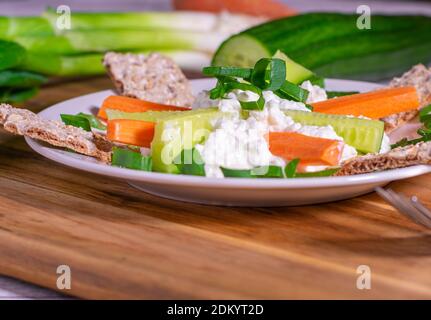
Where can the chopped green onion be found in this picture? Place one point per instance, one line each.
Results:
(268, 172)
(76, 121)
(334, 94)
(190, 162)
(94, 121)
(309, 107)
(130, 159)
(269, 74)
(290, 169)
(425, 116)
(235, 173)
(244, 73)
(292, 91)
(425, 132)
(323, 173)
(258, 104)
(258, 172)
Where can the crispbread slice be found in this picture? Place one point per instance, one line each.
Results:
(419, 77)
(25, 123)
(397, 158)
(152, 77)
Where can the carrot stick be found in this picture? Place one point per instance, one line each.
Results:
(128, 104)
(265, 8)
(310, 150)
(133, 132)
(375, 104)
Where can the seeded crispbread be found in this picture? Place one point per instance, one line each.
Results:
(419, 77)
(397, 158)
(26, 123)
(152, 77)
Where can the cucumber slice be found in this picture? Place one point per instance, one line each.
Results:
(178, 132)
(295, 73)
(363, 134)
(152, 116)
(247, 51)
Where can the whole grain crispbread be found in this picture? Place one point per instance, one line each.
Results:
(420, 77)
(152, 77)
(397, 158)
(26, 123)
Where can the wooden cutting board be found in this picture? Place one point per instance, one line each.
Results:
(122, 243)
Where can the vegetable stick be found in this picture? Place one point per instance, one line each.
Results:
(310, 150)
(127, 104)
(376, 104)
(133, 132)
(267, 8)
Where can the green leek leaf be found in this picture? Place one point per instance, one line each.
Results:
(11, 95)
(76, 121)
(190, 162)
(11, 54)
(292, 91)
(130, 159)
(20, 79)
(269, 74)
(290, 169)
(93, 120)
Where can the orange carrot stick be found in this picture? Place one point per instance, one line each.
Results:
(128, 104)
(376, 104)
(265, 8)
(310, 150)
(133, 132)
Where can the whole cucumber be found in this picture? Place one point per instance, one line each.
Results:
(331, 44)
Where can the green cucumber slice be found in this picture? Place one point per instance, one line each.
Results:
(178, 132)
(247, 51)
(295, 73)
(363, 134)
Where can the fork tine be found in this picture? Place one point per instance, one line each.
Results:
(402, 207)
(405, 207)
(419, 205)
(389, 197)
(414, 212)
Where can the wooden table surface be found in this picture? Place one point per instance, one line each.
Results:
(122, 243)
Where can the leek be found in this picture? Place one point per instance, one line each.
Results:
(179, 20)
(129, 159)
(12, 27)
(11, 54)
(78, 42)
(17, 95)
(20, 79)
(91, 64)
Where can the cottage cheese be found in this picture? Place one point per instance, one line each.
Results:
(231, 102)
(316, 93)
(386, 144)
(236, 143)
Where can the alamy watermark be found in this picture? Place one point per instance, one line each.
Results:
(64, 279)
(364, 20)
(64, 20)
(363, 282)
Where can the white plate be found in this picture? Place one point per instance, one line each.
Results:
(231, 192)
